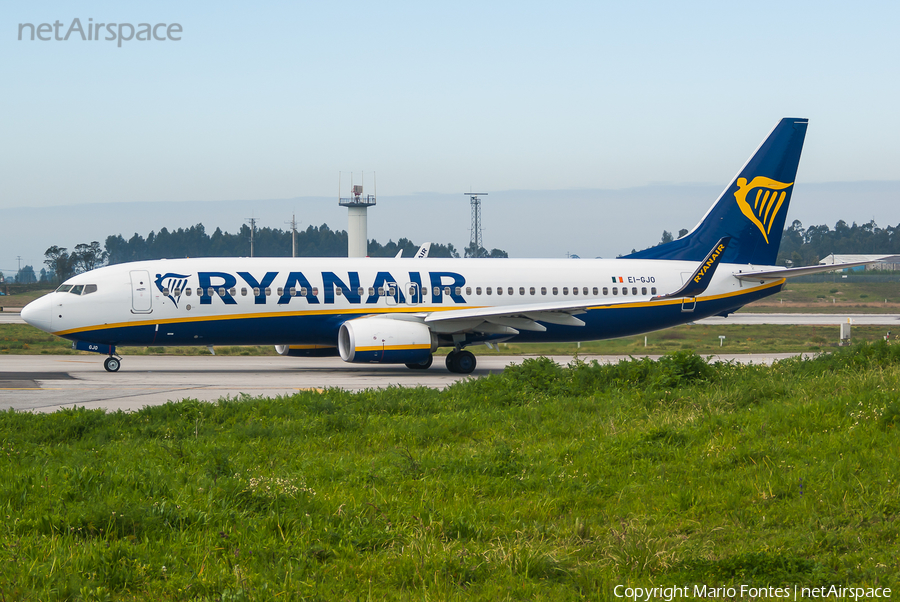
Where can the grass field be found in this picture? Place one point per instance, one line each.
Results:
(21, 339)
(836, 297)
(544, 482)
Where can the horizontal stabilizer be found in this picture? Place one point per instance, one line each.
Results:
(802, 271)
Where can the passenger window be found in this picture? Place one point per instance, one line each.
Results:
(315, 291)
(477, 290)
(624, 290)
(489, 290)
(574, 290)
(210, 292)
(585, 291)
(555, 291)
(361, 291)
(596, 292)
(521, 290)
(565, 290)
(615, 290)
(446, 290)
(268, 292)
(92, 288)
(499, 290)
(232, 292)
(393, 291)
(165, 291)
(199, 292)
(468, 290)
(281, 291)
(221, 291)
(652, 290)
(458, 290)
(531, 290)
(437, 291)
(643, 290)
(543, 290)
(187, 292)
(338, 291)
(76, 290)
(371, 291)
(634, 290)
(605, 291)
(292, 291)
(303, 291)
(244, 291)
(256, 291)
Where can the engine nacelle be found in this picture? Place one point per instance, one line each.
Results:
(386, 341)
(307, 350)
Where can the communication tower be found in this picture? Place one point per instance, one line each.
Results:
(475, 242)
(357, 205)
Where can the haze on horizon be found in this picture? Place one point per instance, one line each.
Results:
(273, 101)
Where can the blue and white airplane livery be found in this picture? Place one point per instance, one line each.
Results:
(401, 310)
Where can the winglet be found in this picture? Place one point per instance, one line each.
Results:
(701, 278)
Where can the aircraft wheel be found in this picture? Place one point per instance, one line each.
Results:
(425, 365)
(450, 361)
(112, 364)
(464, 362)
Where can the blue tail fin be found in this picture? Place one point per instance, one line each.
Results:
(752, 210)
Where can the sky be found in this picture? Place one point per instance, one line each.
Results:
(263, 106)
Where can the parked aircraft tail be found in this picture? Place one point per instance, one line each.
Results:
(752, 209)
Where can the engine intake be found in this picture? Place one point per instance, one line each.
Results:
(385, 341)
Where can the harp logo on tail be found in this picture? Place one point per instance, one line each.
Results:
(761, 207)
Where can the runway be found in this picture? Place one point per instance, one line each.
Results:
(46, 383)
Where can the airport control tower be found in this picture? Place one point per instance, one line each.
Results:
(357, 231)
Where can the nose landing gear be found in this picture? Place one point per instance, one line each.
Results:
(112, 364)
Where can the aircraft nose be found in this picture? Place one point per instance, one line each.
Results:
(38, 313)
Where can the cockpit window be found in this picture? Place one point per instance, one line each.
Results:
(76, 290)
(64, 288)
(89, 288)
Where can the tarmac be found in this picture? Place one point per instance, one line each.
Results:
(46, 383)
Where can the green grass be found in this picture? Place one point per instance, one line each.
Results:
(544, 482)
(22, 339)
(831, 297)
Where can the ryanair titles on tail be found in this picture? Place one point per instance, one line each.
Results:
(710, 262)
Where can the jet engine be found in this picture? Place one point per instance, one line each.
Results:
(385, 340)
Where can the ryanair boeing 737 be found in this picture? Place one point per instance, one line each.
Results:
(401, 310)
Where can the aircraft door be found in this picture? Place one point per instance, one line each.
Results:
(688, 303)
(412, 293)
(141, 293)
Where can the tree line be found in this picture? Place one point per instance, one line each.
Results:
(315, 241)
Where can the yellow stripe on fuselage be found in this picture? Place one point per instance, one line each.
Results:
(389, 310)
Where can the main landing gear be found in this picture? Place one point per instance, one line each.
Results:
(461, 362)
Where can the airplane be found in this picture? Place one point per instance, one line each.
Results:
(401, 310)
